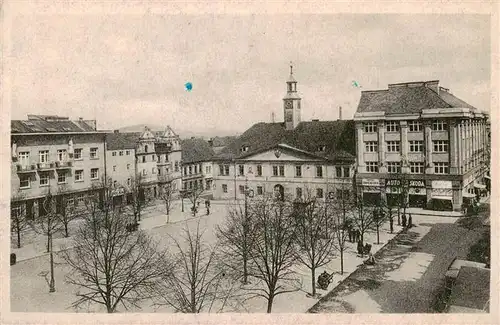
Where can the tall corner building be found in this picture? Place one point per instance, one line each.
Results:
(420, 131)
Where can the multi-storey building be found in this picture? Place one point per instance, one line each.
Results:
(53, 153)
(288, 158)
(197, 162)
(422, 131)
(169, 151)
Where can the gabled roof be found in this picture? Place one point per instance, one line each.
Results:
(472, 288)
(196, 150)
(118, 141)
(42, 126)
(401, 99)
(336, 138)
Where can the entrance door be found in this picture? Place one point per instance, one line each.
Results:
(417, 201)
(279, 192)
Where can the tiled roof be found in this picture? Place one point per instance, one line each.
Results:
(337, 137)
(222, 141)
(408, 100)
(472, 288)
(116, 141)
(196, 150)
(39, 126)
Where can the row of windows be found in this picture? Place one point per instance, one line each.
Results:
(25, 180)
(279, 170)
(127, 152)
(413, 126)
(415, 167)
(190, 170)
(413, 146)
(62, 154)
(260, 191)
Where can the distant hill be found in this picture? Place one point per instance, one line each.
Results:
(184, 134)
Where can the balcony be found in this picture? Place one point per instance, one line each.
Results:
(26, 168)
(45, 166)
(164, 163)
(63, 164)
(165, 178)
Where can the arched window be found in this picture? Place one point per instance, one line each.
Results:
(146, 148)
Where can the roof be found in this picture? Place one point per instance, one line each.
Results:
(222, 141)
(42, 126)
(116, 141)
(472, 288)
(196, 150)
(337, 137)
(401, 98)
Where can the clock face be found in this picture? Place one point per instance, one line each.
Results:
(288, 104)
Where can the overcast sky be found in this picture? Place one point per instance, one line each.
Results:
(124, 70)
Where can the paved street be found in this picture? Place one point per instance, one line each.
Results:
(409, 272)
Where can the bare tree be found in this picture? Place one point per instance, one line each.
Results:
(66, 208)
(379, 217)
(140, 200)
(274, 250)
(194, 195)
(110, 265)
(363, 217)
(342, 214)
(314, 238)
(166, 194)
(236, 238)
(18, 218)
(196, 282)
(389, 213)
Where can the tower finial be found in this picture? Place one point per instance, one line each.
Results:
(291, 68)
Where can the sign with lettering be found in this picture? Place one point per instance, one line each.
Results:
(417, 191)
(392, 182)
(441, 184)
(416, 183)
(370, 182)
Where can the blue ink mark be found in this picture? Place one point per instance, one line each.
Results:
(356, 84)
(188, 86)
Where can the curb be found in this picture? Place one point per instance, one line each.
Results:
(331, 292)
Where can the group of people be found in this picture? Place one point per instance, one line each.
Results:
(194, 208)
(406, 222)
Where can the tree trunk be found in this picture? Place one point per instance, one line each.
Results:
(18, 230)
(66, 233)
(245, 271)
(270, 303)
(342, 261)
(313, 282)
(399, 217)
(48, 241)
(52, 284)
(378, 237)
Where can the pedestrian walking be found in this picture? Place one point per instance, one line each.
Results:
(410, 222)
(357, 235)
(403, 220)
(360, 248)
(349, 231)
(391, 225)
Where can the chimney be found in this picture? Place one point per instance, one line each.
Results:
(192, 138)
(116, 131)
(273, 117)
(211, 142)
(340, 113)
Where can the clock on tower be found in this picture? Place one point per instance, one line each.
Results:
(288, 104)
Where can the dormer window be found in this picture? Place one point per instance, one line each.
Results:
(321, 148)
(244, 148)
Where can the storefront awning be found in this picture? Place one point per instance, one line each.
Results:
(467, 194)
(480, 186)
(439, 197)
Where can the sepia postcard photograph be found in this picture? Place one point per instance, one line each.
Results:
(167, 158)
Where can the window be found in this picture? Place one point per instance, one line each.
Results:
(416, 146)
(241, 170)
(153, 157)
(372, 167)
(185, 171)
(79, 175)
(394, 167)
(347, 172)
(319, 171)
(441, 168)
(392, 126)
(439, 126)
(338, 171)
(24, 181)
(321, 148)
(298, 171)
(127, 152)
(244, 149)
(370, 127)
(440, 145)
(61, 155)
(146, 148)
(114, 168)
(44, 179)
(207, 170)
(224, 188)
(371, 146)
(319, 193)
(259, 170)
(242, 189)
(24, 158)
(77, 154)
(143, 159)
(43, 155)
(93, 153)
(190, 184)
(129, 181)
(113, 153)
(128, 166)
(343, 194)
(392, 146)
(190, 170)
(416, 168)
(298, 192)
(94, 173)
(414, 126)
(275, 170)
(282, 170)
(121, 152)
(196, 169)
(115, 183)
(153, 170)
(144, 172)
(61, 178)
(226, 169)
(259, 190)
(176, 166)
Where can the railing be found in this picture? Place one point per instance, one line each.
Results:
(26, 168)
(64, 164)
(165, 178)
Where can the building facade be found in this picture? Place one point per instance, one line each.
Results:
(419, 136)
(197, 166)
(57, 155)
(288, 158)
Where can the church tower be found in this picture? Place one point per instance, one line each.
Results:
(291, 103)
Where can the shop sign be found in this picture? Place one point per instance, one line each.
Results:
(417, 191)
(118, 191)
(370, 182)
(371, 189)
(416, 183)
(441, 184)
(392, 182)
(442, 192)
(395, 190)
